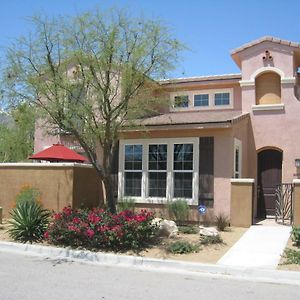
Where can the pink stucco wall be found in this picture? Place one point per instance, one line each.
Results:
(263, 129)
(274, 129)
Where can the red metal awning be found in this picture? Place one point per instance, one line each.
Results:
(58, 153)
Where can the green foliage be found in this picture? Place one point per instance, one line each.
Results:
(222, 222)
(16, 137)
(126, 204)
(188, 229)
(27, 194)
(112, 57)
(209, 240)
(179, 210)
(28, 222)
(183, 247)
(292, 256)
(296, 236)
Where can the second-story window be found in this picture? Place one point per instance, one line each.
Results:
(201, 100)
(222, 98)
(181, 101)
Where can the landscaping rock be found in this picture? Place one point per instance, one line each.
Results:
(166, 227)
(208, 231)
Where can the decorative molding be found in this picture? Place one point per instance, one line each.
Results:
(247, 83)
(268, 107)
(267, 69)
(288, 80)
(284, 80)
(242, 180)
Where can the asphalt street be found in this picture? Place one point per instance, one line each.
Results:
(26, 277)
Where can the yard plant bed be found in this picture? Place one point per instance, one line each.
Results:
(207, 253)
(284, 265)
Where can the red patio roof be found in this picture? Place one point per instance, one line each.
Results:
(58, 152)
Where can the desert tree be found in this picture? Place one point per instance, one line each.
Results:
(90, 76)
(16, 133)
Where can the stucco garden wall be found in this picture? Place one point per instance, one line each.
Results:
(60, 184)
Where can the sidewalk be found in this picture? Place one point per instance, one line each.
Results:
(259, 247)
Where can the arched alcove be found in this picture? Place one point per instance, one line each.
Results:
(268, 88)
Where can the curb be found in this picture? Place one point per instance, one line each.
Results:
(158, 265)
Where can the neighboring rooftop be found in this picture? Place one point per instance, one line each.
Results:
(201, 78)
(193, 117)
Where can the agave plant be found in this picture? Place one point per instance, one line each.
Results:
(28, 222)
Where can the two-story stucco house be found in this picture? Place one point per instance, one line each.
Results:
(219, 127)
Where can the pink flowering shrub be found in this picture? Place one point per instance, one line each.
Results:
(99, 229)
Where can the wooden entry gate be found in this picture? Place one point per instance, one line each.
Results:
(269, 174)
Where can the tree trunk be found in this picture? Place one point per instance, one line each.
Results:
(109, 193)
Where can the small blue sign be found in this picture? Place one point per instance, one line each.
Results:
(202, 209)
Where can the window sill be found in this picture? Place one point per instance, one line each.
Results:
(268, 107)
(159, 200)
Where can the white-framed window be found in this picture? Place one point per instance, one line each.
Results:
(159, 170)
(133, 170)
(181, 101)
(202, 99)
(222, 99)
(183, 166)
(237, 158)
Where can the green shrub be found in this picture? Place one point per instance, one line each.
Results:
(188, 229)
(209, 240)
(296, 236)
(125, 204)
(27, 194)
(28, 222)
(179, 210)
(99, 229)
(182, 247)
(222, 222)
(292, 256)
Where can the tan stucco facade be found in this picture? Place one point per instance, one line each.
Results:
(296, 206)
(60, 185)
(241, 208)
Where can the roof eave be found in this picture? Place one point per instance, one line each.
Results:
(181, 126)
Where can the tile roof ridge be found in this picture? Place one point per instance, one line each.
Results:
(263, 39)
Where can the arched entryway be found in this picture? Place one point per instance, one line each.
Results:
(269, 175)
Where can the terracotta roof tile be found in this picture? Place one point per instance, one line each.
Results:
(263, 39)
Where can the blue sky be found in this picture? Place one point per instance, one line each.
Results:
(209, 28)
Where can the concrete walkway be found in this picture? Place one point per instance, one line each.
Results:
(260, 247)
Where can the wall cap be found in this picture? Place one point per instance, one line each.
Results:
(44, 165)
(296, 181)
(242, 180)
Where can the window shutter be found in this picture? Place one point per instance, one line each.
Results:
(206, 171)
